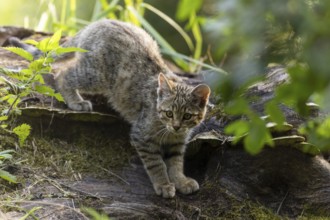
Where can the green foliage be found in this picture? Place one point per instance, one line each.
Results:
(7, 176)
(252, 34)
(275, 114)
(252, 130)
(186, 8)
(31, 213)
(30, 79)
(22, 131)
(19, 51)
(23, 83)
(133, 11)
(95, 215)
(187, 11)
(318, 133)
(6, 155)
(32, 75)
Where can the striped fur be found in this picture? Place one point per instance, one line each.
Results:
(124, 64)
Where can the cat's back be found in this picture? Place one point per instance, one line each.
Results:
(120, 39)
(124, 63)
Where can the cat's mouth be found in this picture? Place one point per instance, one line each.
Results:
(177, 131)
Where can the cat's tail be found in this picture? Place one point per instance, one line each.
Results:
(16, 42)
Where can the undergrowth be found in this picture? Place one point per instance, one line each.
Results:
(17, 85)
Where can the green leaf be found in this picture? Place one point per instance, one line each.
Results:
(48, 60)
(43, 45)
(62, 50)
(27, 72)
(108, 9)
(6, 152)
(161, 41)
(46, 90)
(31, 213)
(3, 118)
(317, 133)
(13, 100)
(238, 129)
(194, 61)
(32, 42)
(257, 137)
(59, 97)
(238, 107)
(54, 41)
(95, 215)
(171, 22)
(35, 66)
(308, 148)
(4, 156)
(324, 128)
(198, 38)
(4, 98)
(187, 7)
(20, 52)
(22, 131)
(7, 176)
(276, 115)
(50, 43)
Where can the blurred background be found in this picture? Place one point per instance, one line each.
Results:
(218, 32)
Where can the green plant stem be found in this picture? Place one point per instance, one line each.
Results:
(12, 105)
(172, 23)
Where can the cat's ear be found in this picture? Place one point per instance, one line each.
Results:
(164, 85)
(201, 94)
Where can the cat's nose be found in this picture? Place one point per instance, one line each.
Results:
(176, 128)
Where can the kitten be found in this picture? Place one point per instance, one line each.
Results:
(124, 64)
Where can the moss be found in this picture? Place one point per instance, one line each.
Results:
(234, 209)
(43, 161)
(85, 156)
(221, 204)
(6, 140)
(308, 217)
(319, 214)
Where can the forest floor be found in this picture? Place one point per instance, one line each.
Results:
(70, 165)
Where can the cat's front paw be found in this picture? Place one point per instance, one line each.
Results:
(166, 190)
(187, 185)
(85, 106)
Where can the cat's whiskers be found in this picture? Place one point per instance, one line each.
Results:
(158, 132)
(164, 136)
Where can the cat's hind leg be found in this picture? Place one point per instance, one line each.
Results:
(67, 86)
(76, 102)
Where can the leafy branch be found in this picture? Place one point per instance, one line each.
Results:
(16, 85)
(293, 36)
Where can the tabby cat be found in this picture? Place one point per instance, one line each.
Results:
(124, 64)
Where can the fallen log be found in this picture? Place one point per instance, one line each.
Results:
(280, 181)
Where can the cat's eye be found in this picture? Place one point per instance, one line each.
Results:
(169, 114)
(187, 116)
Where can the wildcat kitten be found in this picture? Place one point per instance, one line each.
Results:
(124, 64)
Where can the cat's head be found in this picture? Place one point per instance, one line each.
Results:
(181, 107)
